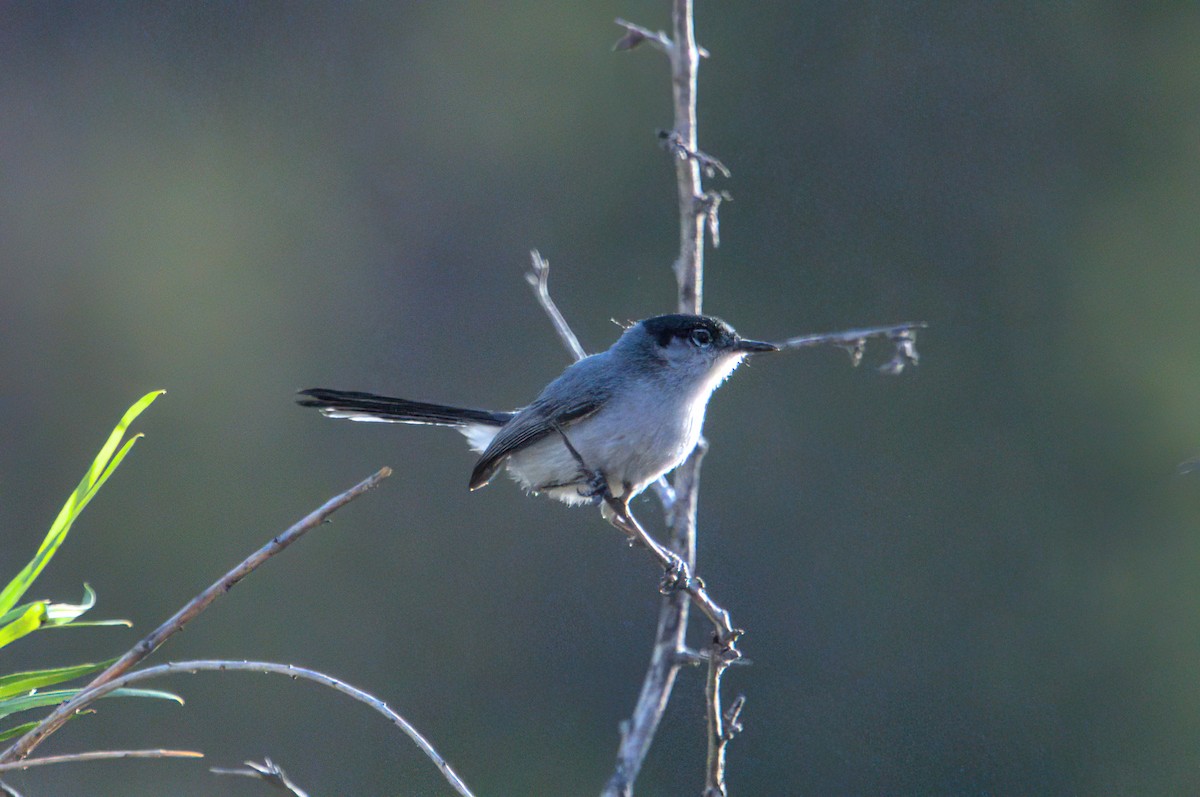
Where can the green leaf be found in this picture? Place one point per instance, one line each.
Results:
(63, 613)
(102, 467)
(90, 624)
(49, 615)
(20, 682)
(13, 614)
(30, 620)
(17, 730)
(52, 698)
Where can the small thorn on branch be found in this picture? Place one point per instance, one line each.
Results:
(673, 142)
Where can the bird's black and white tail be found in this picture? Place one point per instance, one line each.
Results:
(357, 406)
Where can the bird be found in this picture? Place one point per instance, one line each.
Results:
(608, 427)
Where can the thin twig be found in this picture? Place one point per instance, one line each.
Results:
(91, 694)
(98, 755)
(55, 720)
(723, 725)
(679, 578)
(538, 278)
(636, 34)
(672, 142)
(268, 772)
(685, 63)
(8, 791)
(903, 338)
(678, 575)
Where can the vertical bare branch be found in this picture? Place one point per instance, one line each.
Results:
(685, 62)
(680, 502)
(722, 724)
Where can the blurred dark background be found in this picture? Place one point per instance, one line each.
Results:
(981, 577)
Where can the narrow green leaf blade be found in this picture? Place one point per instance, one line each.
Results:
(13, 705)
(17, 730)
(29, 621)
(110, 445)
(157, 694)
(101, 468)
(19, 682)
(14, 613)
(89, 624)
(63, 613)
(116, 460)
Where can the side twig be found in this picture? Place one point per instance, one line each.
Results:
(98, 755)
(92, 694)
(679, 577)
(723, 724)
(268, 772)
(57, 718)
(903, 338)
(538, 278)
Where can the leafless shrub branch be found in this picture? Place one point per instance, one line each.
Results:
(23, 746)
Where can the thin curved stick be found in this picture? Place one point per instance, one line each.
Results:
(92, 694)
(57, 718)
(98, 755)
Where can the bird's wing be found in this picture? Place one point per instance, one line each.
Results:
(530, 425)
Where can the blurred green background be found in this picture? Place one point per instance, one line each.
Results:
(982, 577)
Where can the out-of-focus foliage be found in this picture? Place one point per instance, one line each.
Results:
(979, 577)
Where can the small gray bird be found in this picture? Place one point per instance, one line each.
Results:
(619, 419)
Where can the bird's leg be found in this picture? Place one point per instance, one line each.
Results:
(676, 575)
(616, 511)
(597, 483)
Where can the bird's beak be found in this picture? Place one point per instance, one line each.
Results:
(754, 346)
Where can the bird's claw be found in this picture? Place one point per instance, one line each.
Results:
(676, 576)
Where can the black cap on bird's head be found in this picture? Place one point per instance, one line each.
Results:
(703, 332)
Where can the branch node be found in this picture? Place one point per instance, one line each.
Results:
(905, 341)
(673, 142)
(636, 34)
(733, 715)
(268, 771)
(709, 205)
(903, 338)
(856, 349)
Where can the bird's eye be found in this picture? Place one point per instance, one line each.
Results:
(702, 337)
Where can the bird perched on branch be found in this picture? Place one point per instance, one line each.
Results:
(609, 426)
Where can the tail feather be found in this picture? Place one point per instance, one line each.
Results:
(370, 407)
